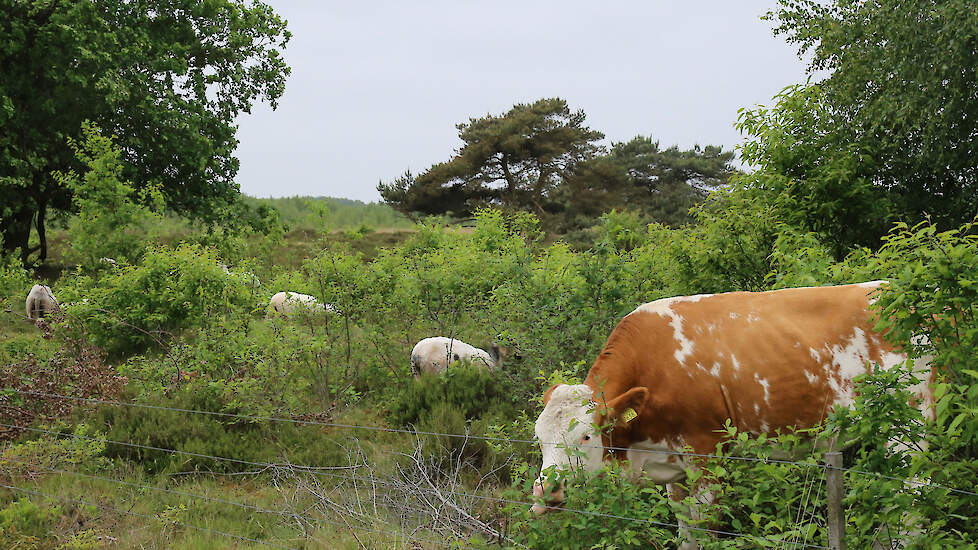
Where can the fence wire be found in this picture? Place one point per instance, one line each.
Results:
(288, 515)
(483, 438)
(328, 470)
(316, 472)
(411, 432)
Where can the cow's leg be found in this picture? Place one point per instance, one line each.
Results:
(677, 493)
(702, 497)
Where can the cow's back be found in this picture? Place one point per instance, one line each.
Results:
(766, 360)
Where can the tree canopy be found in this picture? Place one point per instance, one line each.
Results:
(891, 133)
(662, 184)
(514, 160)
(541, 157)
(165, 78)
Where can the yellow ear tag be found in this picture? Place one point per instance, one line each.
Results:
(629, 415)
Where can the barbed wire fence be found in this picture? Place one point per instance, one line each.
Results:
(425, 495)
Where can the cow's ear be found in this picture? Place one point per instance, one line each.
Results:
(547, 394)
(627, 406)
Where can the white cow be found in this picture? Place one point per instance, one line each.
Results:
(290, 302)
(434, 355)
(40, 301)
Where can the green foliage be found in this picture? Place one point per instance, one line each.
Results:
(608, 492)
(26, 517)
(14, 279)
(814, 183)
(86, 539)
(888, 134)
(328, 213)
(918, 460)
(624, 230)
(931, 302)
(900, 89)
(662, 184)
(109, 211)
(15, 283)
(236, 439)
(515, 159)
(135, 307)
(168, 79)
(244, 371)
(84, 452)
(729, 248)
(472, 391)
(770, 504)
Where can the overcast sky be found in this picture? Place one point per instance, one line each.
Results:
(378, 87)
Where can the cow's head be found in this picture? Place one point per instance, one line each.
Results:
(569, 431)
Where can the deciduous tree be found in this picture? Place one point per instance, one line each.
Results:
(891, 133)
(165, 77)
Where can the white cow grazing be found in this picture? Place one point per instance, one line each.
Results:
(434, 355)
(291, 302)
(40, 301)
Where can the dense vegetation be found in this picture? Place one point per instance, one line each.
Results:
(351, 452)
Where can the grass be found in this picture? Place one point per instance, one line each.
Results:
(158, 520)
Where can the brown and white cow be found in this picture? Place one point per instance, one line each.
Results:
(674, 370)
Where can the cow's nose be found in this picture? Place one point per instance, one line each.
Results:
(551, 495)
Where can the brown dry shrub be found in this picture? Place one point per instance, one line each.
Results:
(78, 369)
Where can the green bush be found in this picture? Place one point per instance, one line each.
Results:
(134, 308)
(601, 495)
(84, 452)
(471, 391)
(112, 219)
(239, 439)
(465, 400)
(27, 518)
(15, 281)
(918, 459)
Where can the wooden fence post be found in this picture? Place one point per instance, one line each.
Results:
(834, 490)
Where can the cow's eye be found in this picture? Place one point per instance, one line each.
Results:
(586, 437)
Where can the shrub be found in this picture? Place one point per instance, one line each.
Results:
(137, 307)
(15, 281)
(601, 495)
(112, 216)
(238, 439)
(472, 391)
(27, 519)
(77, 369)
(33, 456)
(465, 400)
(918, 460)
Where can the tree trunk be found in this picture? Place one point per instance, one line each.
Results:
(41, 232)
(510, 181)
(16, 233)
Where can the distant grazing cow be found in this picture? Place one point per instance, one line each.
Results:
(674, 370)
(434, 355)
(109, 261)
(40, 301)
(291, 302)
